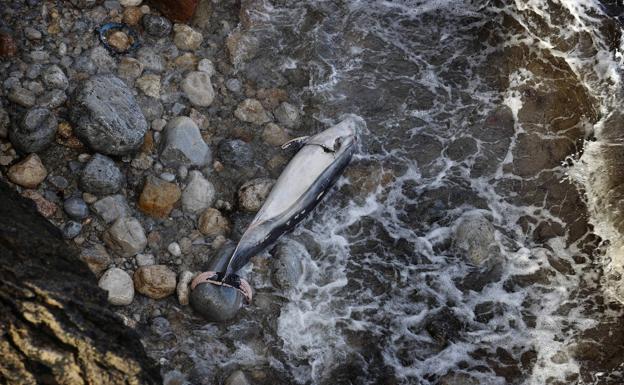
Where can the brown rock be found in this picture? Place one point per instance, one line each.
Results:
(274, 135)
(251, 195)
(8, 47)
(132, 15)
(65, 136)
(29, 172)
(176, 10)
(148, 143)
(44, 206)
(155, 281)
(213, 223)
(97, 258)
(119, 40)
(158, 197)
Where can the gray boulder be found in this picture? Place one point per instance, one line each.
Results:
(101, 176)
(107, 117)
(35, 131)
(183, 144)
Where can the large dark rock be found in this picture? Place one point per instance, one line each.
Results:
(35, 131)
(107, 117)
(55, 325)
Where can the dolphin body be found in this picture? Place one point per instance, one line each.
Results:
(300, 187)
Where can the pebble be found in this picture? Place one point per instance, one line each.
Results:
(44, 206)
(28, 173)
(198, 88)
(142, 161)
(199, 193)
(145, 259)
(76, 208)
(32, 34)
(132, 15)
(235, 152)
(158, 124)
(174, 249)
(233, 85)
(130, 3)
(39, 56)
(151, 59)
(107, 117)
(119, 41)
(251, 111)
(186, 38)
(119, 286)
(129, 68)
(274, 135)
(150, 85)
(167, 177)
(96, 257)
(89, 198)
(102, 60)
(126, 237)
(182, 172)
(183, 289)
(111, 208)
(157, 26)
(71, 229)
(184, 145)
(212, 223)
(287, 115)
(22, 96)
(158, 197)
(54, 77)
(52, 99)
(35, 131)
(58, 181)
(251, 195)
(84, 3)
(206, 65)
(101, 176)
(155, 281)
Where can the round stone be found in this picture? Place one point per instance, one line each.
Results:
(71, 229)
(76, 208)
(28, 173)
(54, 77)
(119, 286)
(101, 176)
(213, 223)
(156, 281)
(198, 88)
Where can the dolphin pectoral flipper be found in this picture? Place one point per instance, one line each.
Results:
(300, 141)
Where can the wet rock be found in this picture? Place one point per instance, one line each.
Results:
(52, 99)
(275, 135)
(443, 326)
(235, 152)
(158, 197)
(241, 47)
(129, 68)
(216, 303)
(206, 65)
(22, 96)
(111, 208)
(107, 117)
(35, 131)
(145, 259)
(54, 77)
(119, 286)
(125, 237)
(198, 88)
(8, 47)
(44, 206)
(186, 38)
(474, 238)
(212, 223)
(151, 59)
(76, 208)
(150, 85)
(252, 194)
(183, 289)
(251, 111)
(156, 281)
(157, 26)
(237, 378)
(288, 264)
(287, 115)
(457, 379)
(28, 173)
(184, 145)
(199, 193)
(101, 176)
(177, 10)
(71, 229)
(96, 257)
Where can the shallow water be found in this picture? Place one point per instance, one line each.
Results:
(476, 111)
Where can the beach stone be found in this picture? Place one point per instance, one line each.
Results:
(474, 238)
(183, 289)
(183, 144)
(111, 208)
(287, 115)
(119, 286)
(76, 208)
(104, 63)
(129, 68)
(151, 59)
(101, 176)
(251, 195)
(150, 85)
(44, 206)
(174, 249)
(96, 257)
(206, 65)
(212, 223)
(198, 88)
(237, 378)
(28, 173)
(241, 47)
(145, 259)
(233, 85)
(157, 26)
(35, 131)
(52, 99)
(235, 152)
(54, 77)
(71, 229)
(186, 38)
(251, 111)
(132, 15)
(158, 197)
(152, 108)
(287, 264)
(457, 379)
(32, 34)
(22, 96)
(84, 3)
(107, 117)
(199, 193)
(274, 135)
(156, 281)
(130, 3)
(126, 237)
(119, 40)
(58, 181)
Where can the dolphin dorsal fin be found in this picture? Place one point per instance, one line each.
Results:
(300, 141)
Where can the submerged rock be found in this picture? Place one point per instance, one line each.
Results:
(183, 289)
(76, 208)
(186, 38)
(119, 286)
(287, 115)
(237, 378)
(156, 25)
(96, 257)
(235, 152)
